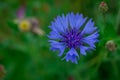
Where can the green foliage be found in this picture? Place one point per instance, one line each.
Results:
(26, 56)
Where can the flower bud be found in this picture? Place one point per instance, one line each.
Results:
(110, 45)
(70, 78)
(45, 7)
(2, 72)
(103, 7)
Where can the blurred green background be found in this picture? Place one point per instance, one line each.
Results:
(26, 56)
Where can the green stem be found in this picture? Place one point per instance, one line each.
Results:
(115, 68)
(104, 20)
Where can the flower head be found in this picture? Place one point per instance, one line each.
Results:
(27, 24)
(73, 32)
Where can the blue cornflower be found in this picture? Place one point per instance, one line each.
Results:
(71, 33)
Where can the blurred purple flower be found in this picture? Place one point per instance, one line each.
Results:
(21, 12)
(69, 32)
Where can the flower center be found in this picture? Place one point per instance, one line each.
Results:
(72, 38)
(24, 25)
